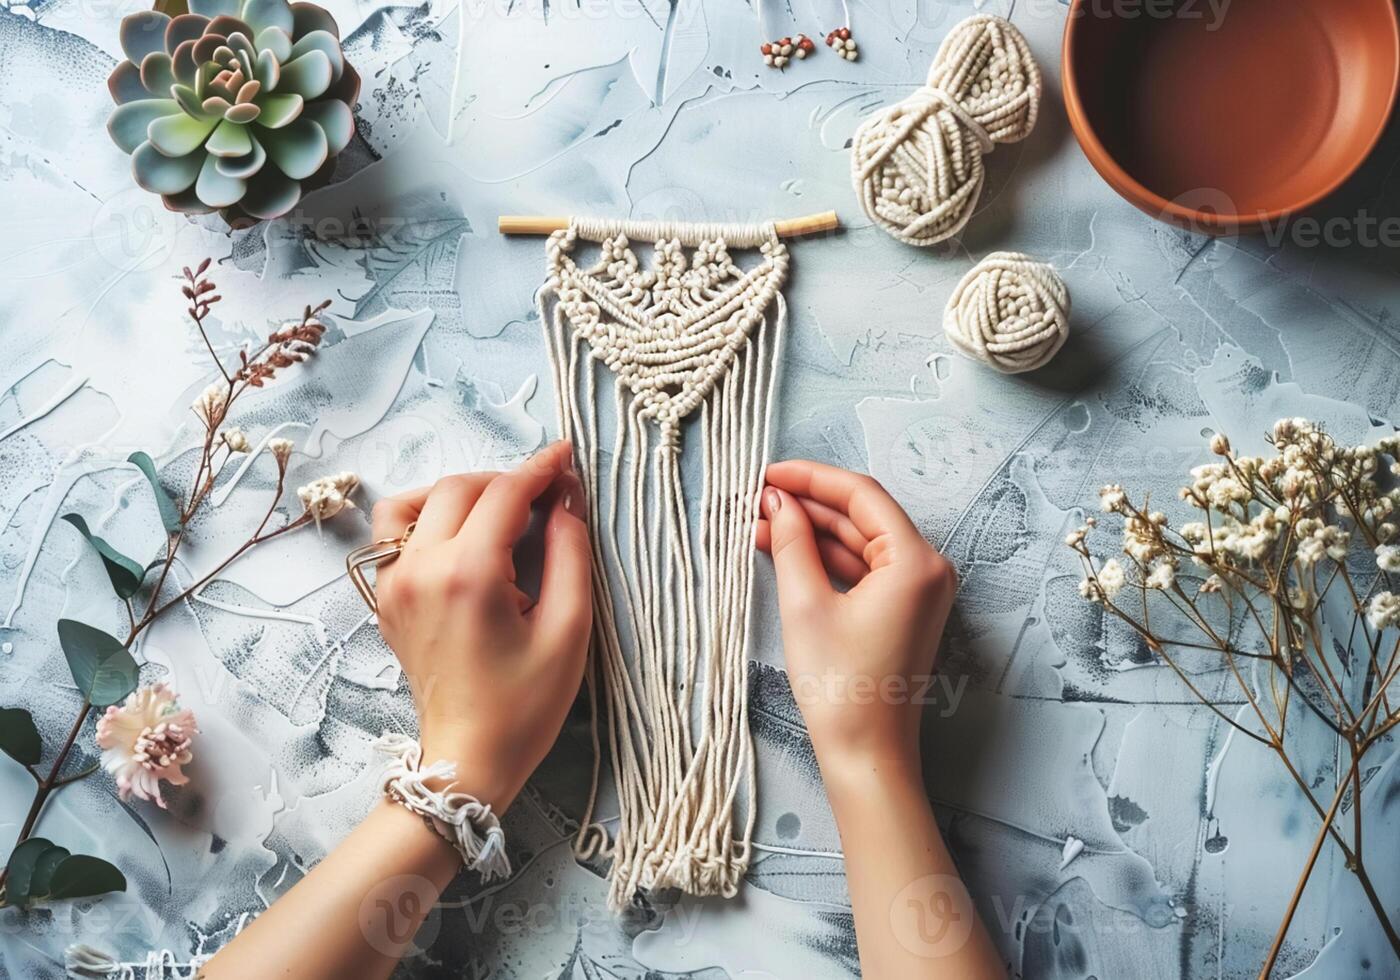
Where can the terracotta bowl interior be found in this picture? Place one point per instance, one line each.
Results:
(1265, 109)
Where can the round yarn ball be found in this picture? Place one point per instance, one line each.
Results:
(917, 165)
(1010, 312)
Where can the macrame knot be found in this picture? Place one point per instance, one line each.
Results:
(670, 432)
(694, 342)
(462, 820)
(917, 165)
(1010, 312)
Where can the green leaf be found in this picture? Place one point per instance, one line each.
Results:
(140, 821)
(81, 773)
(101, 666)
(169, 513)
(19, 739)
(42, 881)
(82, 875)
(40, 869)
(20, 869)
(125, 574)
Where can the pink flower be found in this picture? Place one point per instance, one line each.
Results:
(145, 740)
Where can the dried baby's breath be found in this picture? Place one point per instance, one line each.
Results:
(1293, 551)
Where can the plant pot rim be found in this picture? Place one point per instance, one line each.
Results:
(1153, 203)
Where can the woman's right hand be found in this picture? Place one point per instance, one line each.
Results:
(858, 660)
(493, 676)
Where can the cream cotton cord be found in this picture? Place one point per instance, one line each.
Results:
(462, 820)
(1009, 312)
(917, 165)
(82, 960)
(691, 339)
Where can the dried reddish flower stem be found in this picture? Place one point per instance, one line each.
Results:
(283, 348)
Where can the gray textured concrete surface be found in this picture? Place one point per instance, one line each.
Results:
(1106, 825)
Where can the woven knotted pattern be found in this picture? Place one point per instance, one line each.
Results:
(917, 165)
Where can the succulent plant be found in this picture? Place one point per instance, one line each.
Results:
(237, 106)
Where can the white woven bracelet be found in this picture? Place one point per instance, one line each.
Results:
(463, 821)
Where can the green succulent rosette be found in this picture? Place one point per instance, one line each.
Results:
(238, 106)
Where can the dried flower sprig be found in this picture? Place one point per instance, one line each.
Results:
(145, 740)
(283, 348)
(1293, 557)
(144, 736)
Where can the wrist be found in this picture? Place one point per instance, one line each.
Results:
(478, 773)
(859, 776)
(428, 787)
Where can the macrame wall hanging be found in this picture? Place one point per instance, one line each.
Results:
(657, 363)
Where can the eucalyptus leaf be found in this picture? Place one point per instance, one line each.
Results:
(82, 875)
(42, 881)
(20, 869)
(19, 739)
(100, 664)
(169, 513)
(81, 772)
(140, 821)
(126, 575)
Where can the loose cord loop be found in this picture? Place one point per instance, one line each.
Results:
(463, 821)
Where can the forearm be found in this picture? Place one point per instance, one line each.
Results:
(355, 913)
(913, 915)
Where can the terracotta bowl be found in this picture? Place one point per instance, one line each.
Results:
(1224, 122)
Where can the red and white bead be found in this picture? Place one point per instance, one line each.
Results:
(842, 43)
(777, 54)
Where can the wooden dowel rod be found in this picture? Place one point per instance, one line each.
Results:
(519, 224)
(807, 225)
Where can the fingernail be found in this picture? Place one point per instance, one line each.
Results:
(572, 503)
(774, 501)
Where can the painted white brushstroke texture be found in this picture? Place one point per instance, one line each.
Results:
(1106, 824)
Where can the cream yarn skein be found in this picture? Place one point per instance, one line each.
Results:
(1010, 312)
(917, 165)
